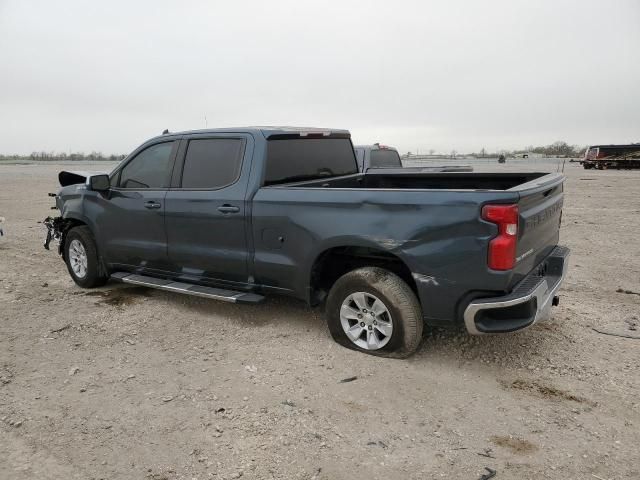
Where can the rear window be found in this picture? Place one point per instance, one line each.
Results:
(212, 163)
(297, 159)
(385, 158)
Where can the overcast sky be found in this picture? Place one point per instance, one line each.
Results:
(442, 75)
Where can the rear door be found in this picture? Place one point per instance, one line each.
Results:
(206, 209)
(132, 232)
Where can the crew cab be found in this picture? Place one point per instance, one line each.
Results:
(236, 214)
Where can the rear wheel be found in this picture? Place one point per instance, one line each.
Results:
(81, 257)
(374, 311)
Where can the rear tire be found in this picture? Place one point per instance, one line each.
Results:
(81, 257)
(366, 303)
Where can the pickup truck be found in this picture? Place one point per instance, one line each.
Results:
(236, 214)
(383, 156)
(377, 156)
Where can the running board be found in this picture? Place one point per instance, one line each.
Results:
(188, 288)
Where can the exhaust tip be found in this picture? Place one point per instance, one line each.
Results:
(556, 301)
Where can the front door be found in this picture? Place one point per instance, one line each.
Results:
(132, 229)
(205, 210)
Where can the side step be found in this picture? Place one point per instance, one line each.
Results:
(188, 288)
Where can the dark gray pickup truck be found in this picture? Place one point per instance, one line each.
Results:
(234, 214)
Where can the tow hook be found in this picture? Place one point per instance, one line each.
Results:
(556, 301)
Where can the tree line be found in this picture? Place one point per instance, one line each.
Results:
(555, 149)
(63, 157)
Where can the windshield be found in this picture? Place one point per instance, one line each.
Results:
(385, 158)
(297, 159)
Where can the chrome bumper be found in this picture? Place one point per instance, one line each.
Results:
(529, 302)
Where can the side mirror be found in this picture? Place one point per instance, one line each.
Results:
(99, 183)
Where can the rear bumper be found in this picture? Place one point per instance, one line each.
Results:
(530, 300)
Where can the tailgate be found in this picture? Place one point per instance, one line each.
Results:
(540, 209)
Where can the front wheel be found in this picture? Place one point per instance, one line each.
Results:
(374, 311)
(81, 257)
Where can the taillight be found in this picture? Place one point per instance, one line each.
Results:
(502, 248)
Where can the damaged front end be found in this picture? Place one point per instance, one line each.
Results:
(73, 185)
(56, 228)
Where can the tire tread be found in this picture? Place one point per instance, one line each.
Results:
(96, 277)
(403, 300)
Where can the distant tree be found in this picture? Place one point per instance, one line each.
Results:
(559, 148)
(57, 157)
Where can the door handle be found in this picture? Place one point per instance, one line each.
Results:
(151, 204)
(226, 208)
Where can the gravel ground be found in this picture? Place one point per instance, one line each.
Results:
(128, 383)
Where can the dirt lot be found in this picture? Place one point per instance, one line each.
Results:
(130, 383)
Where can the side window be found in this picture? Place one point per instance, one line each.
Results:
(149, 169)
(212, 162)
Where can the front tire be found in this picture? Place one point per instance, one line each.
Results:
(374, 311)
(81, 257)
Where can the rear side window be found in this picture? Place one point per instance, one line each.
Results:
(212, 162)
(385, 158)
(149, 169)
(297, 159)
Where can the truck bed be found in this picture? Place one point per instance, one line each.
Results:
(380, 179)
(433, 220)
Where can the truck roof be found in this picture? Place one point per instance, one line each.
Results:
(269, 131)
(376, 146)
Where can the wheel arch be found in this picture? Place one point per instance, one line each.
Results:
(69, 222)
(333, 262)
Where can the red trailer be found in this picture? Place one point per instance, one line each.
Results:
(612, 156)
